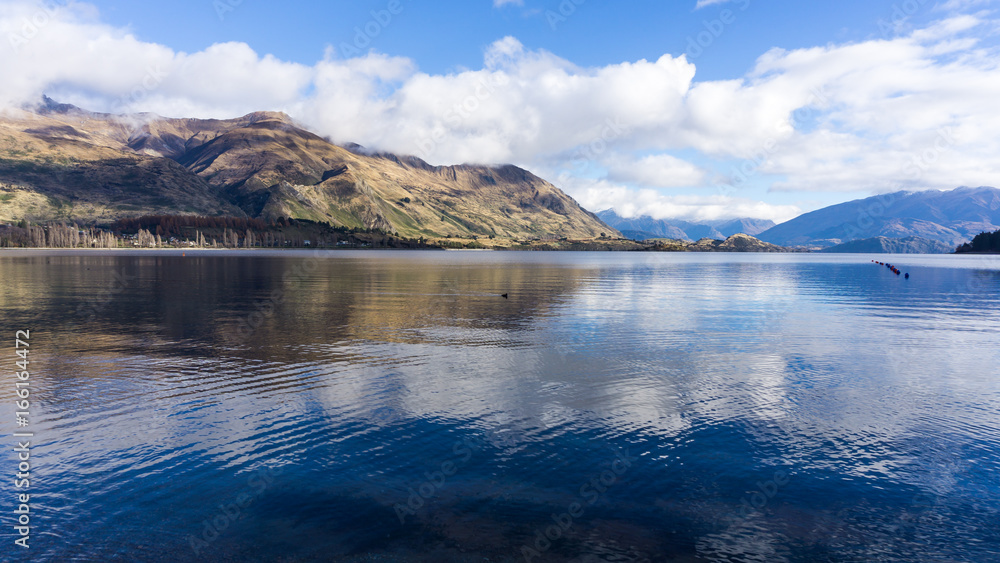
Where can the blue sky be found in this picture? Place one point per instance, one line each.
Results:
(734, 108)
(452, 34)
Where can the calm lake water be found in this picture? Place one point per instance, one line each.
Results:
(380, 406)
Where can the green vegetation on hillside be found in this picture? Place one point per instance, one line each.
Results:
(983, 243)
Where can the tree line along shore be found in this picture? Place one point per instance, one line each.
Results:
(181, 231)
(983, 243)
(191, 231)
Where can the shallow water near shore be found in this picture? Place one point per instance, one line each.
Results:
(393, 406)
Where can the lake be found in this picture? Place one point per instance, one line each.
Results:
(394, 406)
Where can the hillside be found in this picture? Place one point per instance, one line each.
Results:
(949, 217)
(884, 245)
(60, 162)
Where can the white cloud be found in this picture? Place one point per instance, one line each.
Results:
(658, 171)
(502, 3)
(65, 51)
(961, 5)
(630, 202)
(857, 117)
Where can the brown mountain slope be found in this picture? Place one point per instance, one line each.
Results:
(78, 166)
(61, 162)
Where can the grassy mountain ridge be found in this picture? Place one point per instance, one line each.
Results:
(59, 162)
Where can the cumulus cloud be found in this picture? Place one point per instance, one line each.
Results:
(916, 111)
(913, 112)
(64, 51)
(657, 170)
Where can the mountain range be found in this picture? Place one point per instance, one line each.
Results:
(884, 245)
(927, 222)
(646, 228)
(949, 217)
(58, 161)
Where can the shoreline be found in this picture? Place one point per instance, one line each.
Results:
(172, 250)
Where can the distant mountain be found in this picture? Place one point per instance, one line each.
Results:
(698, 231)
(752, 227)
(641, 235)
(59, 162)
(883, 245)
(645, 227)
(950, 217)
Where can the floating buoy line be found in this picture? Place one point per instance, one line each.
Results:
(892, 268)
